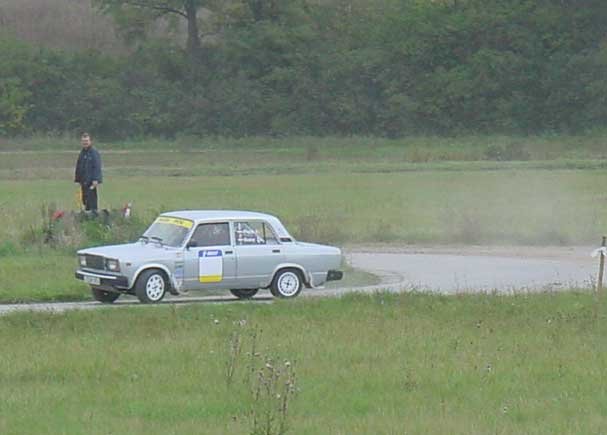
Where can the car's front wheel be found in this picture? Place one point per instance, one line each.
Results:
(287, 283)
(151, 286)
(104, 296)
(244, 294)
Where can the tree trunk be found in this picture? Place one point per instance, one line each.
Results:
(256, 8)
(193, 45)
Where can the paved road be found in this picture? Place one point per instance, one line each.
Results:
(477, 269)
(446, 270)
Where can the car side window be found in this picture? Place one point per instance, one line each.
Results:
(217, 234)
(254, 233)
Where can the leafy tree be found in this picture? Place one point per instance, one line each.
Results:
(13, 106)
(283, 67)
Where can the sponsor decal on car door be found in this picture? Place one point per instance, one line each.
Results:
(210, 266)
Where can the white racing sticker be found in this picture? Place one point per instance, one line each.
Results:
(178, 274)
(210, 266)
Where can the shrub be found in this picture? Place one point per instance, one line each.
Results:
(73, 230)
(510, 152)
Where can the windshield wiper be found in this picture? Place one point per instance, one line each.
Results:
(158, 239)
(146, 239)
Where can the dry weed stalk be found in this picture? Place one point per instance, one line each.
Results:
(253, 355)
(275, 387)
(234, 350)
(271, 385)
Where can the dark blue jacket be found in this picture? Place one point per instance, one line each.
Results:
(88, 167)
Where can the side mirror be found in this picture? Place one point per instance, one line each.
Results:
(191, 244)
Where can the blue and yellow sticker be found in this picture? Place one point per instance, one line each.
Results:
(210, 266)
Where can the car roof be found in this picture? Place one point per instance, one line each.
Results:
(230, 215)
(204, 215)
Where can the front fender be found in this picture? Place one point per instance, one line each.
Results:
(160, 266)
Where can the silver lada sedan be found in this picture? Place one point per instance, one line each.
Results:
(239, 251)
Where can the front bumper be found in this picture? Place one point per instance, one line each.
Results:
(335, 275)
(102, 279)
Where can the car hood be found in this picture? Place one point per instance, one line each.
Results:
(130, 251)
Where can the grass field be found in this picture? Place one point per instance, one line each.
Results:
(415, 149)
(506, 206)
(380, 364)
(339, 191)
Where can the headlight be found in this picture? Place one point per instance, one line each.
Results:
(112, 265)
(82, 260)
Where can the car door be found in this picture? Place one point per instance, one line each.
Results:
(209, 257)
(258, 253)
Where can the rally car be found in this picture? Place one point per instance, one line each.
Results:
(239, 251)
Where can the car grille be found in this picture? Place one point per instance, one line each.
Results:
(95, 262)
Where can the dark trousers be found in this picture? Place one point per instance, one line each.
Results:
(89, 197)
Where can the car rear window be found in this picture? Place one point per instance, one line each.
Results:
(254, 233)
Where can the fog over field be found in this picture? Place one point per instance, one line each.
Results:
(69, 24)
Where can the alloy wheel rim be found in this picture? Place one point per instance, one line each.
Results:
(154, 288)
(288, 284)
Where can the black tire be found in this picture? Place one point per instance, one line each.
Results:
(104, 296)
(244, 294)
(287, 283)
(151, 286)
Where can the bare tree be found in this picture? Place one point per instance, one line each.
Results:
(138, 12)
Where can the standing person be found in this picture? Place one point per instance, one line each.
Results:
(88, 173)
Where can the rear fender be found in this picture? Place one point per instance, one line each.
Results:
(305, 274)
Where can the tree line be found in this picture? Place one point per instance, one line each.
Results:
(314, 67)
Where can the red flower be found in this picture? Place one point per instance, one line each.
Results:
(57, 215)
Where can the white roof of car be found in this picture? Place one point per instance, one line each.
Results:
(229, 215)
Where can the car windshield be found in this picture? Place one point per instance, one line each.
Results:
(169, 231)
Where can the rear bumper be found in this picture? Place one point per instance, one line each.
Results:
(116, 281)
(335, 275)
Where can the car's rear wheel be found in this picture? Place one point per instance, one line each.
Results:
(287, 283)
(104, 296)
(244, 293)
(151, 286)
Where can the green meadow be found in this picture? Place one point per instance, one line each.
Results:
(382, 364)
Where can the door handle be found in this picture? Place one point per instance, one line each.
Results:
(229, 252)
(276, 251)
